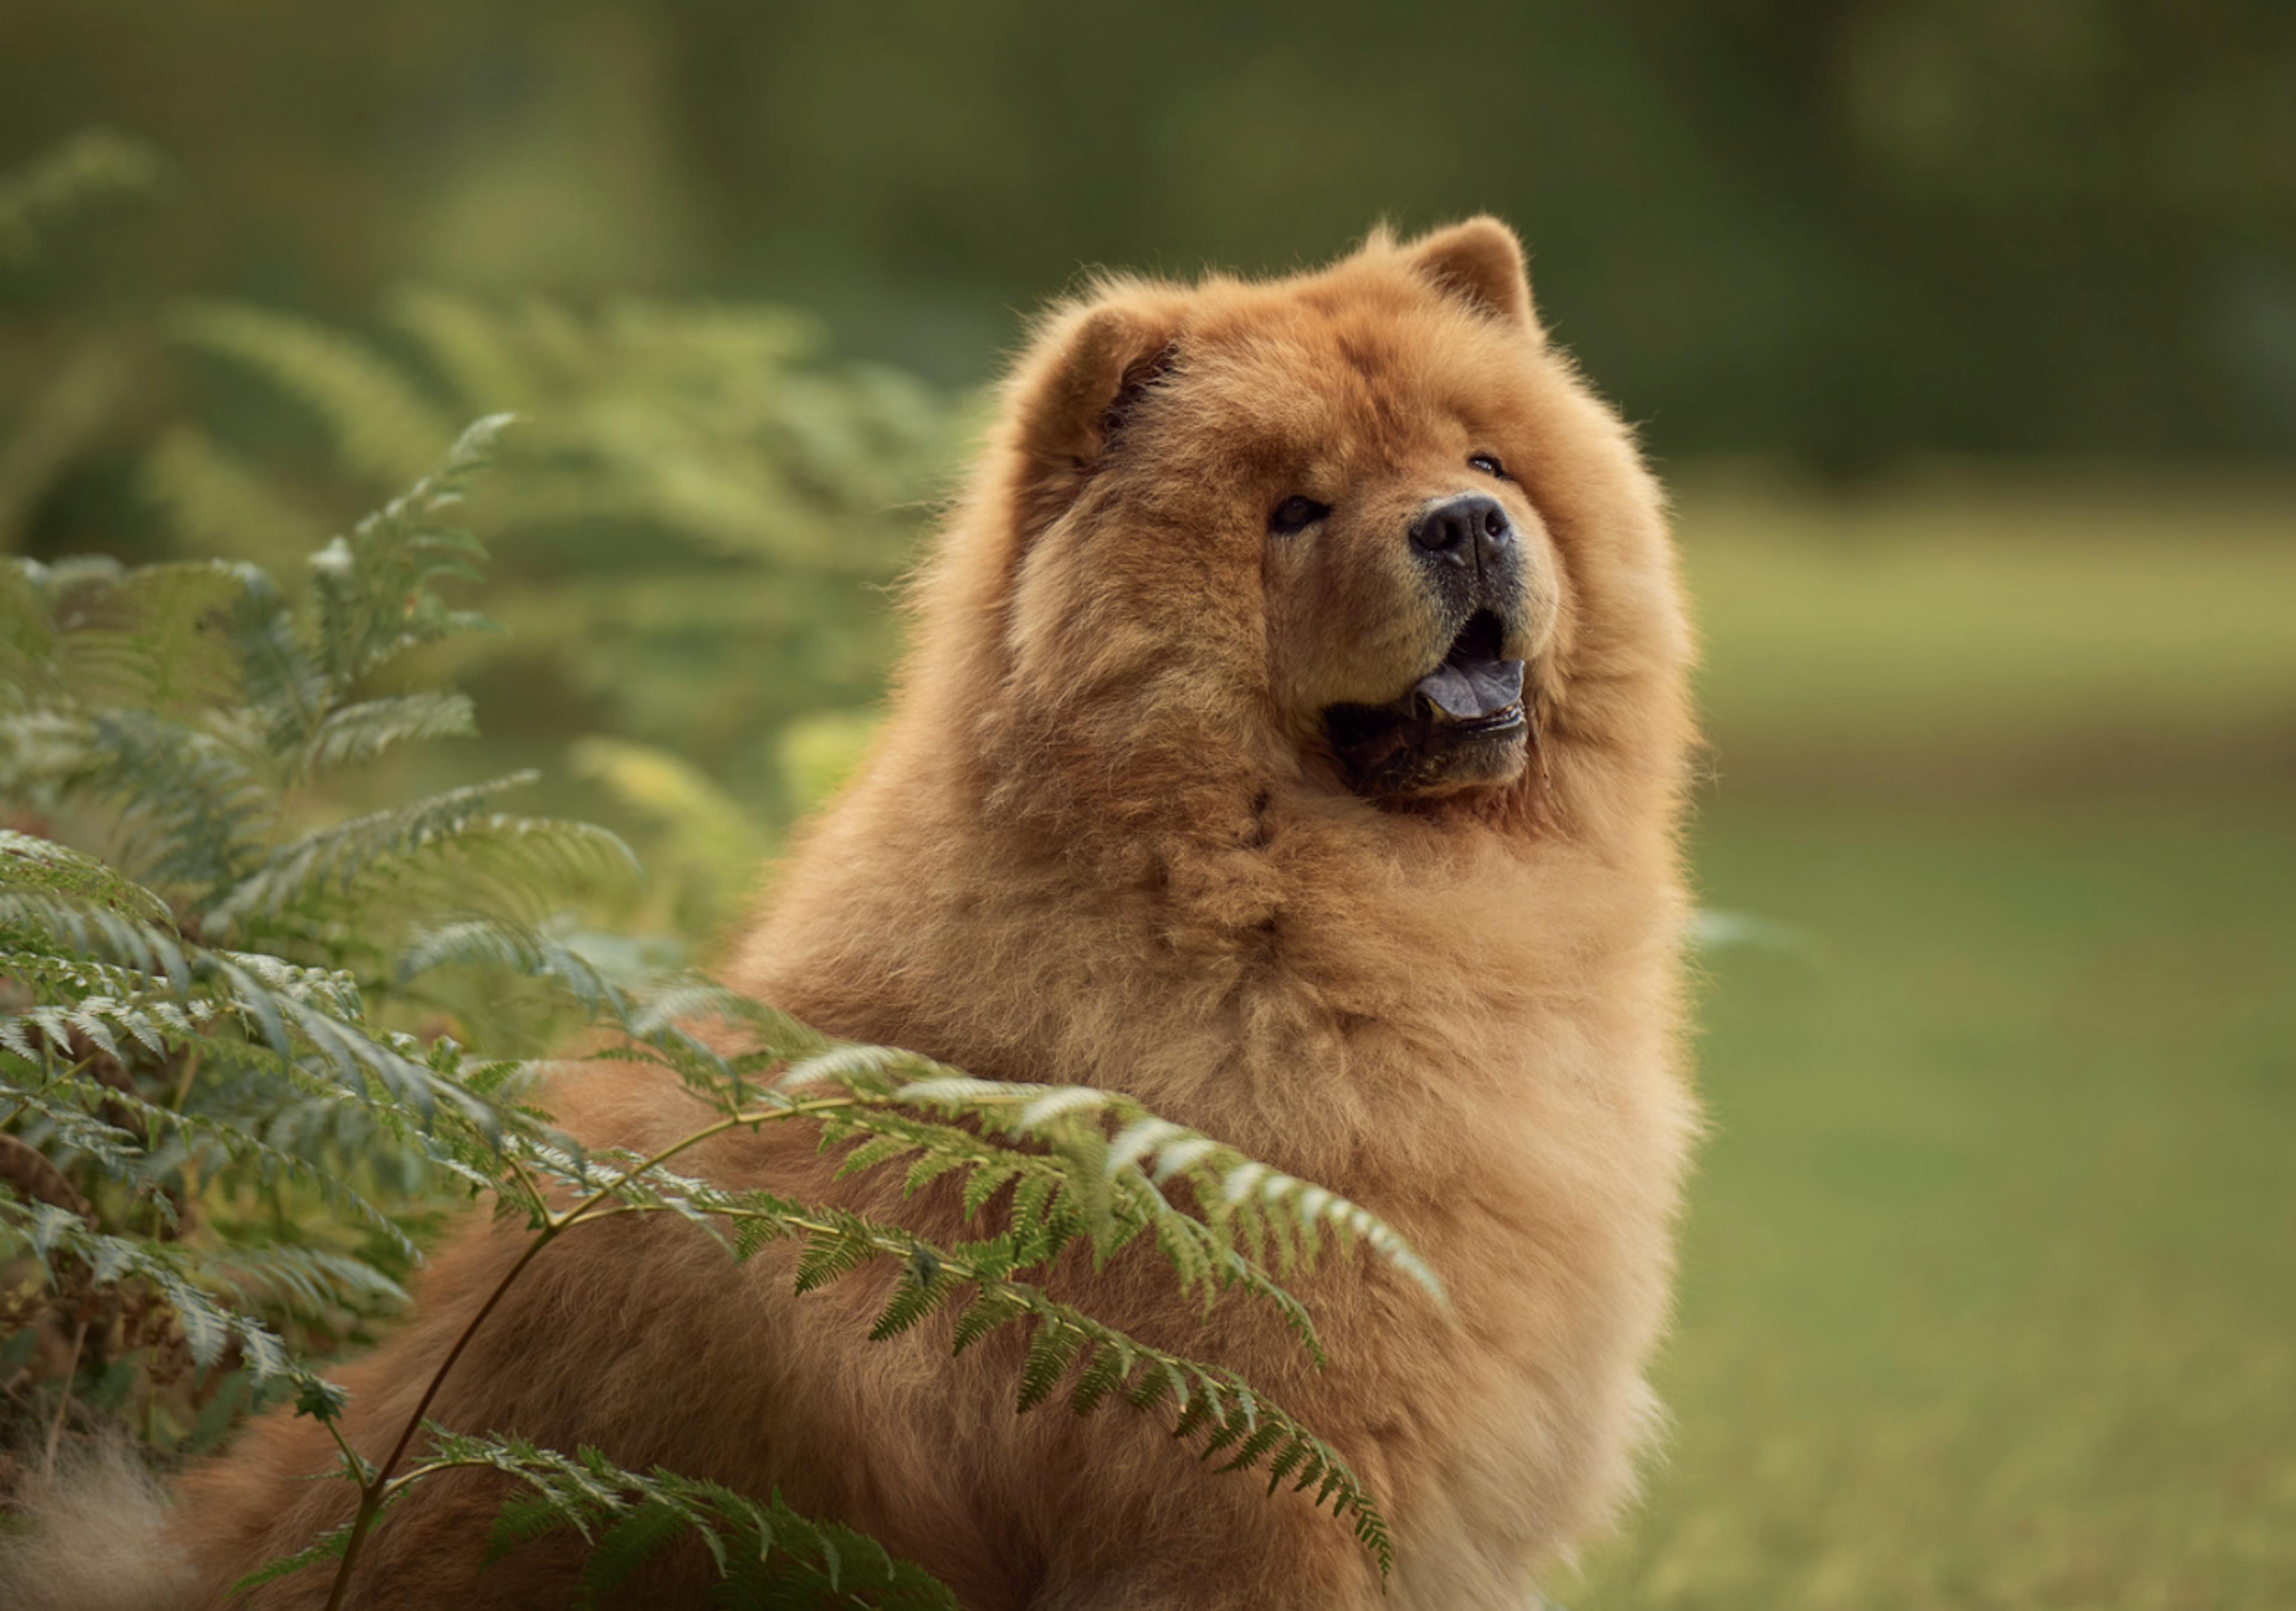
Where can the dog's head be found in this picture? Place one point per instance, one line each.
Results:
(1361, 520)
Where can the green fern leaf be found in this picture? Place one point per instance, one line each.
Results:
(988, 1311)
(911, 1303)
(355, 735)
(871, 1153)
(149, 639)
(382, 424)
(329, 1546)
(523, 1518)
(387, 844)
(29, 862)
(1052, 1349)
(194, 805)
(631, 1542)
(95, 162)
(1107, 1368)
(984, 1183)
(830, 1254)
(216, 501)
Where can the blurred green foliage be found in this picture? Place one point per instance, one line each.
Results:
(695, 523)
(2021, 632)
(1836, 230)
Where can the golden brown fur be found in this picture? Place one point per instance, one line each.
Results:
(1100, 840)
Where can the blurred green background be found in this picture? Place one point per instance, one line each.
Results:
(1965, 330)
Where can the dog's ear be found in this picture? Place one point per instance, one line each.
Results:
(1480, 263)
(1088, 370)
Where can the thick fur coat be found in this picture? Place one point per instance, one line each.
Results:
(1105, 837)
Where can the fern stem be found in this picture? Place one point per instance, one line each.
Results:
(48, 1065)
(372, 1491)
(183, 1091)
(432, 1469)
(1371, 1525)
(379, 1486)
(64, 1403)
(526, 1182)
(370, 1507)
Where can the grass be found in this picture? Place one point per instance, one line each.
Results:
(1987, 1299)
(1993, 617)
(1988, 1294)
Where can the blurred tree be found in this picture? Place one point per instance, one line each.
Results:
(1840, 230)
(694, 521)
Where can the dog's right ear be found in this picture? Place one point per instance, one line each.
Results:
(1071, 395)
(1480, 263)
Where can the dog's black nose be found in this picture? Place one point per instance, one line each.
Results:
(1470, 529)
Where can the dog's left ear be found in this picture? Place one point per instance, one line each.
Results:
(1480, 263)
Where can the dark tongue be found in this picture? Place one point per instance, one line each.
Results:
(1470, 687)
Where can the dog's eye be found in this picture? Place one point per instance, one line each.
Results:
(1296, 513)
(1488, 464)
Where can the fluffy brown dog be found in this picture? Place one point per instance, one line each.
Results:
(1294, 736)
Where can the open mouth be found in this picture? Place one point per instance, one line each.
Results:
(1472, 700)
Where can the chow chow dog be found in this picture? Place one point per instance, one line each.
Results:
(1293, 735)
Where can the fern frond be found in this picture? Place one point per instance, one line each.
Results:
(1212, 1400)
(50, 1233)
(26, 640)
(1115, 1181)
(767, 1553)
(308, 1019)
(329, 1546)
(28, 863)
(382, 425)
(70, 1102)
(94, 163)
(662, 1028)
(522, 1519)
(833, 1248)
(644, 1530)
(328, 864)
(522, 948)
(216, 501)
(43, 748)
(90, 926)
(485, 364)
(146, 639)
(702, 823)
(27, 1089)
(375, 590)
(193, 807)
(357, 733)
(1238, 1196)
(1074, 1187)
(925, 1287)
(1052, 1349)
(308, 1280)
